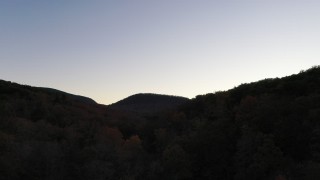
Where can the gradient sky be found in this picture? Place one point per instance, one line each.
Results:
(108, 50)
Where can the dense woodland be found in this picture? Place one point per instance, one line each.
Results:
(266, 130)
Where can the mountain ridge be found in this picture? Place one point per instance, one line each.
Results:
(264, 130)
(12, 86)
(73, 96)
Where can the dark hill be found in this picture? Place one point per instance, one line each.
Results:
(14, 88)
(265, 130)
(51, 105)
(78, 98)
(268, 129)
(149, 103)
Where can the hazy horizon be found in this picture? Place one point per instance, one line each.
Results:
(109, 50)
(121, 98)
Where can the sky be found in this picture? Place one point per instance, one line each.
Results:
(111, 49)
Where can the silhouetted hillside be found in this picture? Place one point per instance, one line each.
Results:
(10, 87)
(148, 103)
(265, 130)
(71, 96)
(262, 130)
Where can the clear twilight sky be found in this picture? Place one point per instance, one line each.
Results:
(108, 50)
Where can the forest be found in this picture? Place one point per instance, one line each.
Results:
(265, 130)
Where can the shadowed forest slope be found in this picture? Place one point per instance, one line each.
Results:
(265, 130)
(71, 96)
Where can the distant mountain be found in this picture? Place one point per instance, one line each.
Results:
(147, 102)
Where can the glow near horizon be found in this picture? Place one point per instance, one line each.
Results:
(108, 50)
